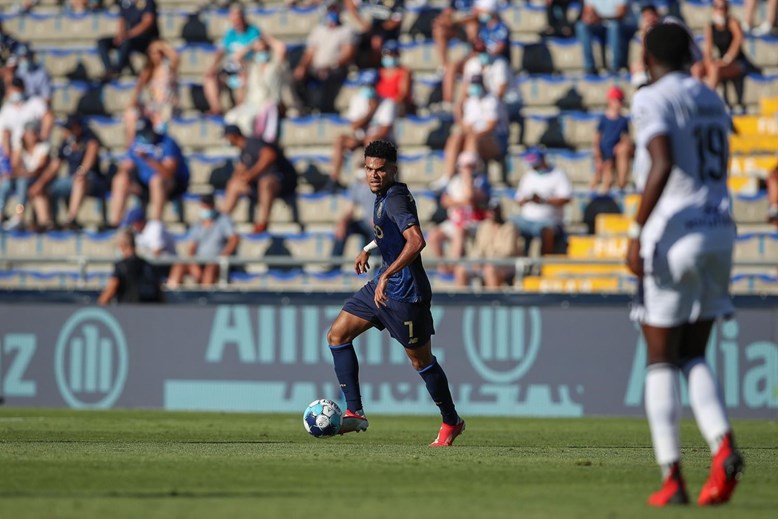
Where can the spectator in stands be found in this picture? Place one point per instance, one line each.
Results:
(134, 280)
(152, 238)
(495, 71)
(772, 196)
(259, 114)
(379, 21)
(649, 17)
(494, 239)
(82, 6)
(372, 118)
(395, 81)
(329, 50)
(7, 44)
(155, 169)
(464, 199)
(37, 82)
(33, 158)
(492, 30)
(212, 236)
(767, 26)
(484, 128)
(227, 70)
(725, 35)
(458, 20)
(137, 28)
(357, 216)
(542, 195)
(609, 22)
(155, 95)
(262, 172)
(613, 146)
(556, 17)
(79, 152)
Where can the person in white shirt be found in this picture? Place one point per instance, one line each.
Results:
(484, 128)
(543, 193)
(372, 118)
(680, 248)
(494, 69)
(17, 111)
(152, 238)
(31, 159)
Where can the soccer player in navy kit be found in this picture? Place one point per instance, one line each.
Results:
(398, 298)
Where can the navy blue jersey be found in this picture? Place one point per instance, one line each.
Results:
(393, 213)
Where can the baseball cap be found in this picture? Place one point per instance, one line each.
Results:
(534, 157)
(489, 6)
(135, 215)
(207, 199)
(616, 93)
(232, 129)
(368, 77)
(17, 82)
(72, 120)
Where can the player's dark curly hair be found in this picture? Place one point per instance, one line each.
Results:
(382, 150)
(670, 45)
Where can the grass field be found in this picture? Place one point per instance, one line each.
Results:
(159, 464)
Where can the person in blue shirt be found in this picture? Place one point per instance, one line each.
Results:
(492, 30)
(613, 148)
(154, 169)
(227, 69)
(137, 28)
(398, 298)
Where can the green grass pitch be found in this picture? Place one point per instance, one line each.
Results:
(146, 464)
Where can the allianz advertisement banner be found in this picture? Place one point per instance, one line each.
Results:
(500, 360)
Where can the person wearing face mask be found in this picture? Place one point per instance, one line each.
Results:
(395, 80)
(259, 113)
(32, 157)
(483, 129)
(212, 236)
(321, 72)
(371, 117)
(152, 238)
(134, 280)
(723, 56)
(37, 82)
(494, 69)
(379, 21)
(543, 193)
(155, 169)
(492, 30)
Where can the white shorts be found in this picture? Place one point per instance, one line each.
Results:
(688, 280)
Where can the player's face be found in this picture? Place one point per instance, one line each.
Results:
(380, 175)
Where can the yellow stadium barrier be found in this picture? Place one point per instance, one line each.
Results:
(768, 106)
(610, 247)
(752, 144)
(611, 224)
(577, 285)
(746, 165)
(754, 125)
(744, 185)
(631, 205)
(582, 270)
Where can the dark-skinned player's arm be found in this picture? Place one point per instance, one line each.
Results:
(414, 243)
(661, 165)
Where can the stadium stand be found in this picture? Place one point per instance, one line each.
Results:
(63, 41)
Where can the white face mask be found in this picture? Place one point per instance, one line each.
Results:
(719, 19)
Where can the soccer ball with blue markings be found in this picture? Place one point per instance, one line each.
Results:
(322, 418)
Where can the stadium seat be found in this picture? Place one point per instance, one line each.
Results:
(749, 247)
(753, 143)
(770, 246)
(101, 245)
(59, 244)
(768, 106)
(755, 125)
(65, 97)
(630, 205)
(197, 132)
(196, 58)
(582, 247)
(761, 50)
(117, 95)
(749, 209)
(752, 165)
(743, 185)
(109, 130)
(19, 244)
(313, 130)
(60, 60)
(544, 284)
(579, 127)
(582, 270)
(757, 86)
(524, 18)
(566, 54)
(542, 90)
(611, 224)
(253, 245)
(413, 131)
(170, 23)
(310, 244)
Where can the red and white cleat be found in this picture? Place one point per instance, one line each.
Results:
(725, 472)
(673, 491)
(353, 422)
(447, 434)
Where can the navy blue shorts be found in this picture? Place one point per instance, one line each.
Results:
(410, 324)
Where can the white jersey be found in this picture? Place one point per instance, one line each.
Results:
(695, 119)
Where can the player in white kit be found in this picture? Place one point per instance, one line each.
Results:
(680, 248)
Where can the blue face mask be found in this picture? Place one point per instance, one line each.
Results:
(389, 61)
(16, 97)
(484, 17)
(332, 18)
(367, 91)
(262, 56)
(484, 58)
(207, 214)
(475, 90)
(23, 66)
(160, 128)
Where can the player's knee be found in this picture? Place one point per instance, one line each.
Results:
(336, 337)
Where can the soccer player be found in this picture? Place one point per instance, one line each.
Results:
(398, 298)
(681, 250)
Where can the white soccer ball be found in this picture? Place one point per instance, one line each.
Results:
(322, 418)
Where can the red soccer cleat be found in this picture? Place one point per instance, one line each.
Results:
(448, 433)
(353, 422)
(725, 472)
(673, 491)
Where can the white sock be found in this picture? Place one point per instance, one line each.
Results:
(706, 402)
(663, 409)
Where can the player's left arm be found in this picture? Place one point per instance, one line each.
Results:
(109, 292)
(414, 244)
